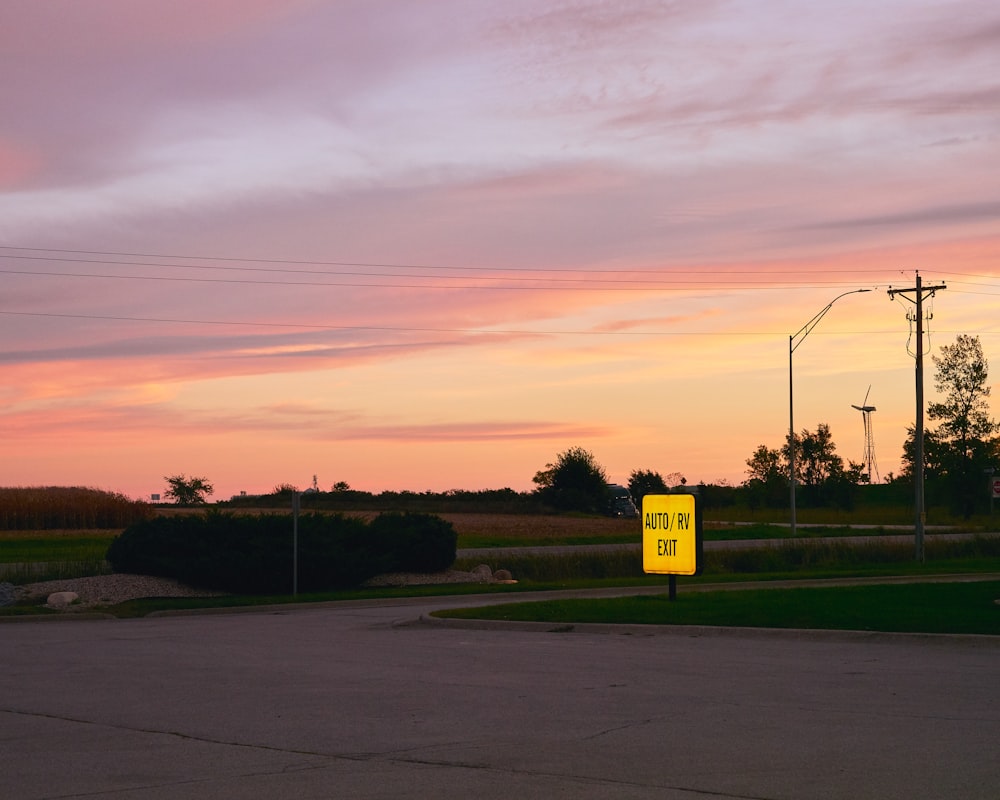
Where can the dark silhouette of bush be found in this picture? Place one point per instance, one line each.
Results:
(415, 542)
(254, 554)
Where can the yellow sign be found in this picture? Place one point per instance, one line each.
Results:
(671, 534)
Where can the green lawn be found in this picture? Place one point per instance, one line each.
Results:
(42, 548)
(918, 608)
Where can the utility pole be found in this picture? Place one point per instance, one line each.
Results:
(920, 292)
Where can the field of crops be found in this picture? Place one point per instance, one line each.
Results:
(498, 530)
(67, 507)
(492, 530)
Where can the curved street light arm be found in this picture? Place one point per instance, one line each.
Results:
(801, 335)
(806, 329)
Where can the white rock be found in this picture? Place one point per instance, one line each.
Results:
(61, 599)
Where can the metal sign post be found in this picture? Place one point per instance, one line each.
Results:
(296, 505)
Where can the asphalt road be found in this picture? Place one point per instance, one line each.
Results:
(362, 700)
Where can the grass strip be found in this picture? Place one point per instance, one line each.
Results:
(712, 533)
(967, 608)
(77, 548)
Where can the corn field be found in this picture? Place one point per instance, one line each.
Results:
(40, 508)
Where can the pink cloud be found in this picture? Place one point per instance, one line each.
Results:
(478, 432)
(80, 421)
(657, 323)
(113, 27)
(18, 163)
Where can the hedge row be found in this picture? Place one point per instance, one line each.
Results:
(253, 554)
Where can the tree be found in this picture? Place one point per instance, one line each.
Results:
(767, 481)
(645, 481)
(188, 491)
(936, 457)
(816, 460)
(819, 471)
(675, 479)
(765, 464)
(961, 447)
(575, 482)
(962, 372)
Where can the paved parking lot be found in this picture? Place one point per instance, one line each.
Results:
(349, 701)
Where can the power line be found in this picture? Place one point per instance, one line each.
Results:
(964, 274)
(368, 274)
(662, 285)
(403, 329)
(384, 265)
(660, 277)
(978, 294)
(668, 277)
(503, 278)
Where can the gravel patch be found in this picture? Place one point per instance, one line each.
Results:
(425, 578)
(109, 590)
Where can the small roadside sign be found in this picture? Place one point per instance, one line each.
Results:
(996, 487)
(671, 534)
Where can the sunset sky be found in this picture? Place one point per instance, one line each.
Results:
(431, 245)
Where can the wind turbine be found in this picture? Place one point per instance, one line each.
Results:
(869, 457)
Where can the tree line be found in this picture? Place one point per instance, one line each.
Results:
(575, 481)
(960, 453)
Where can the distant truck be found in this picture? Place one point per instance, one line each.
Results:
(620, 502)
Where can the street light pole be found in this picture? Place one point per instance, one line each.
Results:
(793, 345)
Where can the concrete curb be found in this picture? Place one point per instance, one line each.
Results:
(695, 631)
(61, 616)
(531, 596)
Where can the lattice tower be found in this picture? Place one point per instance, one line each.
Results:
(871, 465)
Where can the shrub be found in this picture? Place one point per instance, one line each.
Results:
(253, 554)
(415, 542)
